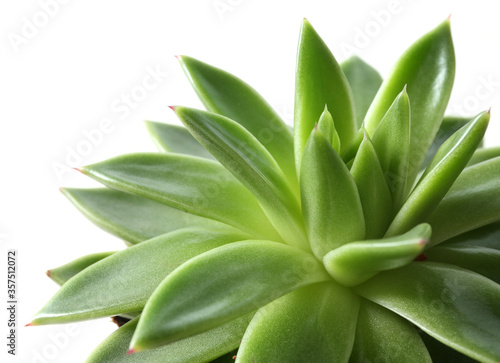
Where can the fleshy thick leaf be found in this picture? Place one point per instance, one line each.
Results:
(428, 70)
(319, 81)
(124, 281)
(484, 154)
(331, 206)
(364, 81)
(252, 165)
(472, 202)
(199, 348)
(356, 262)
(392, 143)
(483, 260)
(373, 190)
(313, 324)
(327, 128)
(448, 127)
(462, 308)
(63, 273)
(176, 139)
(382, 335)
(445, 167)
(221, 285)
(487, 236)
(229, 96)
(131, 217)
(194, 185)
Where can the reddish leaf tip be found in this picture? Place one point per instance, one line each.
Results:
(131, 351)
(449, 16)
(47, 273)
(78, 169)
(489, 110)
(316, 126)
(30, 324)
(172, 108)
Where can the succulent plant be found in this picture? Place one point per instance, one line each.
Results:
(369, 232)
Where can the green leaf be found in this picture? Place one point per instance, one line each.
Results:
(356, 262)
(198, 348)
(428, 70)
(364, 81)
(331, 206)
(349, 153)
(63, 273)
(487, 236)
(483, 260)
(221, 285)
(462, 308)
(484, 154)
(319, 81)
(448, 127)
(445, 167)
(472, 202)
(130, 217)
(123, 282)
(382, 335)
(229, 96)
(373, 190)
(313, 324)
(392, 143)
(327, 128)
(176, 139)
(194, 185)
(243, 156)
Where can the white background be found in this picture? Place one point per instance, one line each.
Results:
(62, 75)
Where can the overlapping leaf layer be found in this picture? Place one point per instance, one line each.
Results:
(371, 232)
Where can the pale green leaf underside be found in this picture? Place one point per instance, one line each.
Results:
(315, 323)
(124, 281)
(383, 335)
(462, 308)
(131, 217)
(194, 185)
(176, 139)
(221, 285)
(199, 348)
(227, 95)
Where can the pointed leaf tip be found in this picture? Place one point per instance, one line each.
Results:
(47, 273)
(131, 351)
(172, 108)
(30, 324)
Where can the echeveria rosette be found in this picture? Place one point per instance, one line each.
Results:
(369, 232)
